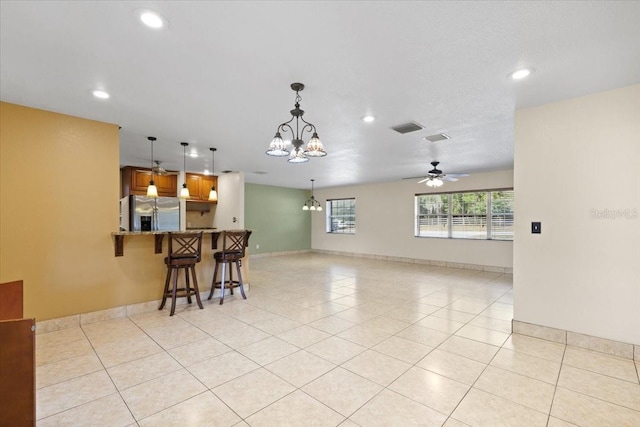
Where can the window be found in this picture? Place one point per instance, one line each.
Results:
(341, 216)
(502, 215)
(469, 215)
(433, 215)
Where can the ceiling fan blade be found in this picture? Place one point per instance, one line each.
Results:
(423, 180)
(458, 175)
(414, 177)
(449, 178)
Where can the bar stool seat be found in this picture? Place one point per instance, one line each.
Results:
(234, 243)
(184, 253)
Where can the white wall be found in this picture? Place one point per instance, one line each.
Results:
(582, 273)
(385, 223)
(230, 201)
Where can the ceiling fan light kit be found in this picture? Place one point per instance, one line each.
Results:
(435, 177)
(278, 147)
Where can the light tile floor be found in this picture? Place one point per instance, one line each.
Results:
(326, 341)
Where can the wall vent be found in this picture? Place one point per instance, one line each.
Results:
(407, 127)
(437, 137)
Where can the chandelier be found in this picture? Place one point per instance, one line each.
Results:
(297, 154)
(312, 204)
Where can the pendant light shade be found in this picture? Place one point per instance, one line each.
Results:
(152, 190)
(184, 191)
(213, 194)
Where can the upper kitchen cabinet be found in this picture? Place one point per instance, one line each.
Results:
(200, 185)
(135, 180)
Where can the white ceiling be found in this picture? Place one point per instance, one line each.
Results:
(219, 76)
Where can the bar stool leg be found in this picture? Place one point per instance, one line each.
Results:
(195, 285)
(187, 289)
(166, 289)
(231, 278)
(223, 278)
(240, 283)
(174, 292)
(213, 282)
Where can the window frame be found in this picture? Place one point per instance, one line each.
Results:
(330, 217)
(488, 216)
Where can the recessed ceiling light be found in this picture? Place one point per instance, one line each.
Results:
(368, 119)
(152, 19)
(193, 153)
(521, 74)
(100, 94)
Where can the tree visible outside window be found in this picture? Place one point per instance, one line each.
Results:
(433, 215)
(341, 216)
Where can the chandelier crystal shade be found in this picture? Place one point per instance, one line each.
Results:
(312, 204)
(184, 191)
(297, 153)
(213, 194)
(152, 190)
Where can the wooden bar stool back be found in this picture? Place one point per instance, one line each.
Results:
(234, 243)
(184, 253)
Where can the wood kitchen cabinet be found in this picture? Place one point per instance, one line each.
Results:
(200, 185)
(135, 181)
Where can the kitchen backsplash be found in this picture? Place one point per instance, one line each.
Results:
(201, 219)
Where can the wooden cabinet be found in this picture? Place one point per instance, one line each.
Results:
(17, 359)
(135, 181)
(200, 185)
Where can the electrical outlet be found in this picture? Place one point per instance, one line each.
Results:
(257, 246)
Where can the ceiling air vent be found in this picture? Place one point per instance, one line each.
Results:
(407, 127)
(437, 137)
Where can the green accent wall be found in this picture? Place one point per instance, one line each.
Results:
(276, 217)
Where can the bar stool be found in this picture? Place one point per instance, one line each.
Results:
(184, 253)
(233, 248)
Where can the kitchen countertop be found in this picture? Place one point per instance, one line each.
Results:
(118, 237)
(147, 233)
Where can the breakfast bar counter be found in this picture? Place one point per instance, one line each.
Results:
(118, 238)
(146, 245)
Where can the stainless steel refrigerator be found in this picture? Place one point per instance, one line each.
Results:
(141, 213)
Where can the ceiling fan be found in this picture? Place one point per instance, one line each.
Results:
(435, 176)
(159, 170)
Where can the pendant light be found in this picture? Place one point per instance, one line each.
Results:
(213, 194)
(184, 191)
(312, 204)
(152, 190)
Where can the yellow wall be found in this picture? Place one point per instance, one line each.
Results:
(59, 189)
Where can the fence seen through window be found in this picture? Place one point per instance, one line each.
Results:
(469, 215)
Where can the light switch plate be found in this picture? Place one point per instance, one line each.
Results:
(536, 227)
